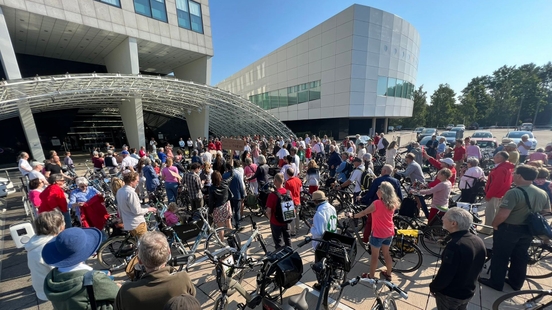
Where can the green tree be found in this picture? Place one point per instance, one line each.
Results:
(442, 108)
(419, 111)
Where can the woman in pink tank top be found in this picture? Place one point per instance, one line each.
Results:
(383, 229)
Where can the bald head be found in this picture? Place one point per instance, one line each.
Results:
(386, 169)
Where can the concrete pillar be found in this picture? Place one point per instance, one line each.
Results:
(373, 129)
(385, 124)
(197, 71)
(11, 68)
(124, 59)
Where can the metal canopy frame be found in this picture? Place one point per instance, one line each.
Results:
(229, 114)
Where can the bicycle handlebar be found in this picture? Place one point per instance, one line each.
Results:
(374, 282)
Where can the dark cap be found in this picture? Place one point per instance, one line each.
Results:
(357, 160)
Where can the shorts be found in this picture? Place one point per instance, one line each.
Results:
(378, 242)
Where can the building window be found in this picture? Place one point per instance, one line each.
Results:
(382, 86)
(116, 3)
(151, 8)
(189, 15)
(287, 96)
(394, 88)
(391, 84)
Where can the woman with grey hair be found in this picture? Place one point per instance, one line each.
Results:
(78, 197)
(47, 225)
(261, 174)
(469, 179)
(367, 158)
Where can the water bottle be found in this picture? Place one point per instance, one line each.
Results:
(475, 210)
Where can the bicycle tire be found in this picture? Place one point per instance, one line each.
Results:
(390, 304)
(213, 243)
(334, 290)
(111, 255)
(540, 261)
(432, 240)
(221, 303)
(406, 255)
(378, 305)
(517, 300)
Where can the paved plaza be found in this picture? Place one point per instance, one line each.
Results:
(16, 291)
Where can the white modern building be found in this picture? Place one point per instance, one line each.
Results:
(345, 76)
(87, 72)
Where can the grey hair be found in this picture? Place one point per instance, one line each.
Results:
(53, 178)
(248, 161)
(261, 159)
(95, 153)
(525, 136)
(387, 168)
(153, 250)
(474, 162)
(110, 152)
(49, 223)
(463, 218)
(367, 157)
(147, 161)
(81, 180)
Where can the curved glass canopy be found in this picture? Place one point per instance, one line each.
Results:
(229, 114)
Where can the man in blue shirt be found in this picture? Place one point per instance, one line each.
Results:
(81, 195)
(342, 176)
(161, 154)
(334, 161)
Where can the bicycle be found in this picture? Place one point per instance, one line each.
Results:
(388, 300)
(270, 278)
(406, 255)
(526, 299)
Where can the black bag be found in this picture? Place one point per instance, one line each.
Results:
(409, 207)
(366, 179)
(348, 170)
(279, 213)
(286, 265)
(536, 222)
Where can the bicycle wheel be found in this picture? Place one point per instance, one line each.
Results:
(406, 255)
(433, 240)
(333, 290)
(540, 261)
(378, 305)
(402, 223)
(389, 304)
(306, 214)
(221, 303)
(214, 243)
(529, 299)
(114, 253)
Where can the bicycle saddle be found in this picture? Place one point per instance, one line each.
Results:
(299, 301)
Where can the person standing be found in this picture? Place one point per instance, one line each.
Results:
(130, 210)
(172, 179)
(294, 186)
(513, 153)
(325, 218)
(192, 182)
(498, 183)
(237, 189)
(473, 150)
(53, 197)
(523, 148)
(459, 153)
(461, 262)
(391, 153)
(431, 146)
(279, 230)
(512, 237)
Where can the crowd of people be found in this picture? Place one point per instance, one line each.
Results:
(222, 184)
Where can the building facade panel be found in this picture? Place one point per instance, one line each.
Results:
(363, 63)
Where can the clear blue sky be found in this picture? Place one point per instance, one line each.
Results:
(459, 39)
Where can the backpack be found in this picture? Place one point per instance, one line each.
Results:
(285, 208)
(366, 179)
(348, 170)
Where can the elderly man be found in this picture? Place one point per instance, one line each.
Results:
(160, 282)
(382, 145)
(130, 210)
(341, 170)
(468, 180)
(128, 161)
(355, 178)
(462, 261)
(36, 172)
(523, 148)
(413, 170)
(110, 162)
(512, 237)
(81, 195)
(498, 183)
(334, 161)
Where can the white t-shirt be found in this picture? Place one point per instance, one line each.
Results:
(284, 169)
(356, 177)
(473, 172)
(24, 167)
(303, 144)
(129, 162)
(247, 148)
(524, 151)
(282, 153)
(190, 143)
(361, 152)
(37, 175)
(307, 140)
(207, 157)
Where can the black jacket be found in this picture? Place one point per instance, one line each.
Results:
(462, 261)
(218, 195)
(261, 175)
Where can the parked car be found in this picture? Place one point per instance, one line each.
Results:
(363, 138)
(450, 136)
(424, 140)
(449, 126)
(474, 126)
(482, 134)
(526, 127)
(459, 132)
(427, 132)
(418, 130)
(516, 137)
(390, 128)
(398, 127)
(485, 143)
(461, 125)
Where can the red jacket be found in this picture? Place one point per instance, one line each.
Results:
(94, 213)
(218, 145)
(437, 164)
(499, 180)
(53, 197)
(294, 186)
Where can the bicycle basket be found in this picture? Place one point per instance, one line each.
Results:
(334, 251)
(408, 234)
(287, 267)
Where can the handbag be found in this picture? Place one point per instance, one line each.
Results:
(536, 222)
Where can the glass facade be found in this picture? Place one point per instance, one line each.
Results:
(392, 87)
(116, 3)
(287, 96)
(189, 15)
(151, 8)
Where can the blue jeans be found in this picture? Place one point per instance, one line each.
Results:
(172, 191)
(235, 204)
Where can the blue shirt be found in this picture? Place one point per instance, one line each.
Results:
(341, 177)
(152, 180)
(236, 187)
(369, 197)
(441, 147)
(78, 195)
(162, 156)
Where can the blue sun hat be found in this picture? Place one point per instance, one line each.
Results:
(72, 247)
